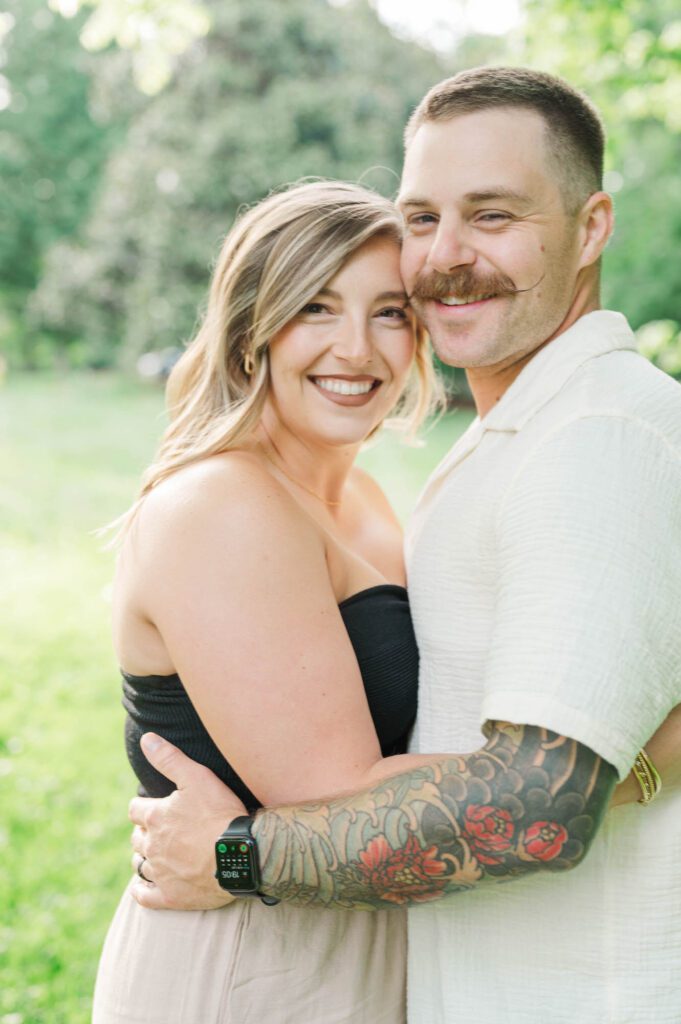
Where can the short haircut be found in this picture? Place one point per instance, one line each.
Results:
(574, 131)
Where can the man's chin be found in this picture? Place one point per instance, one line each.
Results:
(462, 350)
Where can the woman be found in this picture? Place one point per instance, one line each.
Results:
(264, 571)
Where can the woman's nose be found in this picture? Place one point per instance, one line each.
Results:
(353, 342)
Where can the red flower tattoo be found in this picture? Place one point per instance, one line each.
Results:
(411, 870)
(544, 840)
(489, 831)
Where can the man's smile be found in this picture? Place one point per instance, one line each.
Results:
(453, 300)
(451, 307)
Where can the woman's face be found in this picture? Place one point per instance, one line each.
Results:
(340, 366)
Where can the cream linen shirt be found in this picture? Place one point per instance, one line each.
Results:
(544, 564)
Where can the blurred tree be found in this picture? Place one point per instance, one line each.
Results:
(52, 149)
(626, 54)
(155, 32)
(275, 92)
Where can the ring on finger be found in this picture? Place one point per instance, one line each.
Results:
(140, 864)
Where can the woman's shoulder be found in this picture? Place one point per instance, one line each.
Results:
(235, 474)
(370, 492)
(228, 492)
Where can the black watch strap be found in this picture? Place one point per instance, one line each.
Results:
(240, 829)
(237, 827)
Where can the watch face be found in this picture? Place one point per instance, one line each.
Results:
(236, 864)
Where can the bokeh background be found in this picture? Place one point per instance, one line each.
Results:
(131, 132)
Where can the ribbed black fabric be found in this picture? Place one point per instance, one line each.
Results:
(380, 629)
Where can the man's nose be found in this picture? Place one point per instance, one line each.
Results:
(450, 250)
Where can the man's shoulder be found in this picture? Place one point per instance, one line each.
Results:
(618, 386)
(616, 418)
(627, 379)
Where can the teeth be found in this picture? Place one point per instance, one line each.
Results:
(344, 387)
(451, 300)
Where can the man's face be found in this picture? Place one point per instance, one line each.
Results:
(490, 256)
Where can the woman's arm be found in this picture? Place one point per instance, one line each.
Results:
(234, 578)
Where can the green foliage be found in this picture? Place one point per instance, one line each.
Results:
(51, 154)
(276, 92)
(626, 55)
(642, 266)
(660, 341)
(155, 31)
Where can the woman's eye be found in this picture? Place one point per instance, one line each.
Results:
(314, 307)
(394, 313)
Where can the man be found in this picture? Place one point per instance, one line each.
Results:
(545, 579)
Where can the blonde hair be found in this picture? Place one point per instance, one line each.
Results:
(276, 258)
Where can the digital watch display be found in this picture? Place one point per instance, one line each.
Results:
(237, 864)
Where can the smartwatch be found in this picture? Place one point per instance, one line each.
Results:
(236, 856)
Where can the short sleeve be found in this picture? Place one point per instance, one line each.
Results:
(587, 630)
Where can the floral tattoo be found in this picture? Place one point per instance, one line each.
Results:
(530, 800)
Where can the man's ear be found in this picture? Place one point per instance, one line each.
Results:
(596, 223)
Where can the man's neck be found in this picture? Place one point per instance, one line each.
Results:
(489, 384)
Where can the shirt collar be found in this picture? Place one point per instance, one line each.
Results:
(546, 374)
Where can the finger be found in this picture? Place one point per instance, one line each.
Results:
(139, 809)
(171, 762)
(146, 873)
(138, 839)
(148, 895)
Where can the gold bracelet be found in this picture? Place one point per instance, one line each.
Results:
(647, 776)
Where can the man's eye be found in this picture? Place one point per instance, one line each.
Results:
(490, 218)
(422, 219)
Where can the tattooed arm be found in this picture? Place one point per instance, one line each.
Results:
(528, 801)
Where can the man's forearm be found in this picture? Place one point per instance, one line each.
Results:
(528, 801)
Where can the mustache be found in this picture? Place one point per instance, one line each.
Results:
(465, 284)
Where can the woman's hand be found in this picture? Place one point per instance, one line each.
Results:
(664, 750)
(176, 835)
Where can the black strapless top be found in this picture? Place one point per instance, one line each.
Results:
(380, 629)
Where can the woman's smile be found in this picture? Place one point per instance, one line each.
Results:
(344, 389)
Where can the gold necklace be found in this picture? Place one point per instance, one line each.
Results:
(331, 504)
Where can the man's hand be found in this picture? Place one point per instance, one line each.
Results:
(176, 835)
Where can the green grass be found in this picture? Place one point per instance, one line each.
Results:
(71, 452)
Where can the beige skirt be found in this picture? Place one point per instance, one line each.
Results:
(250, 964)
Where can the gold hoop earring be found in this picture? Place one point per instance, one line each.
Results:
(249, 364)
